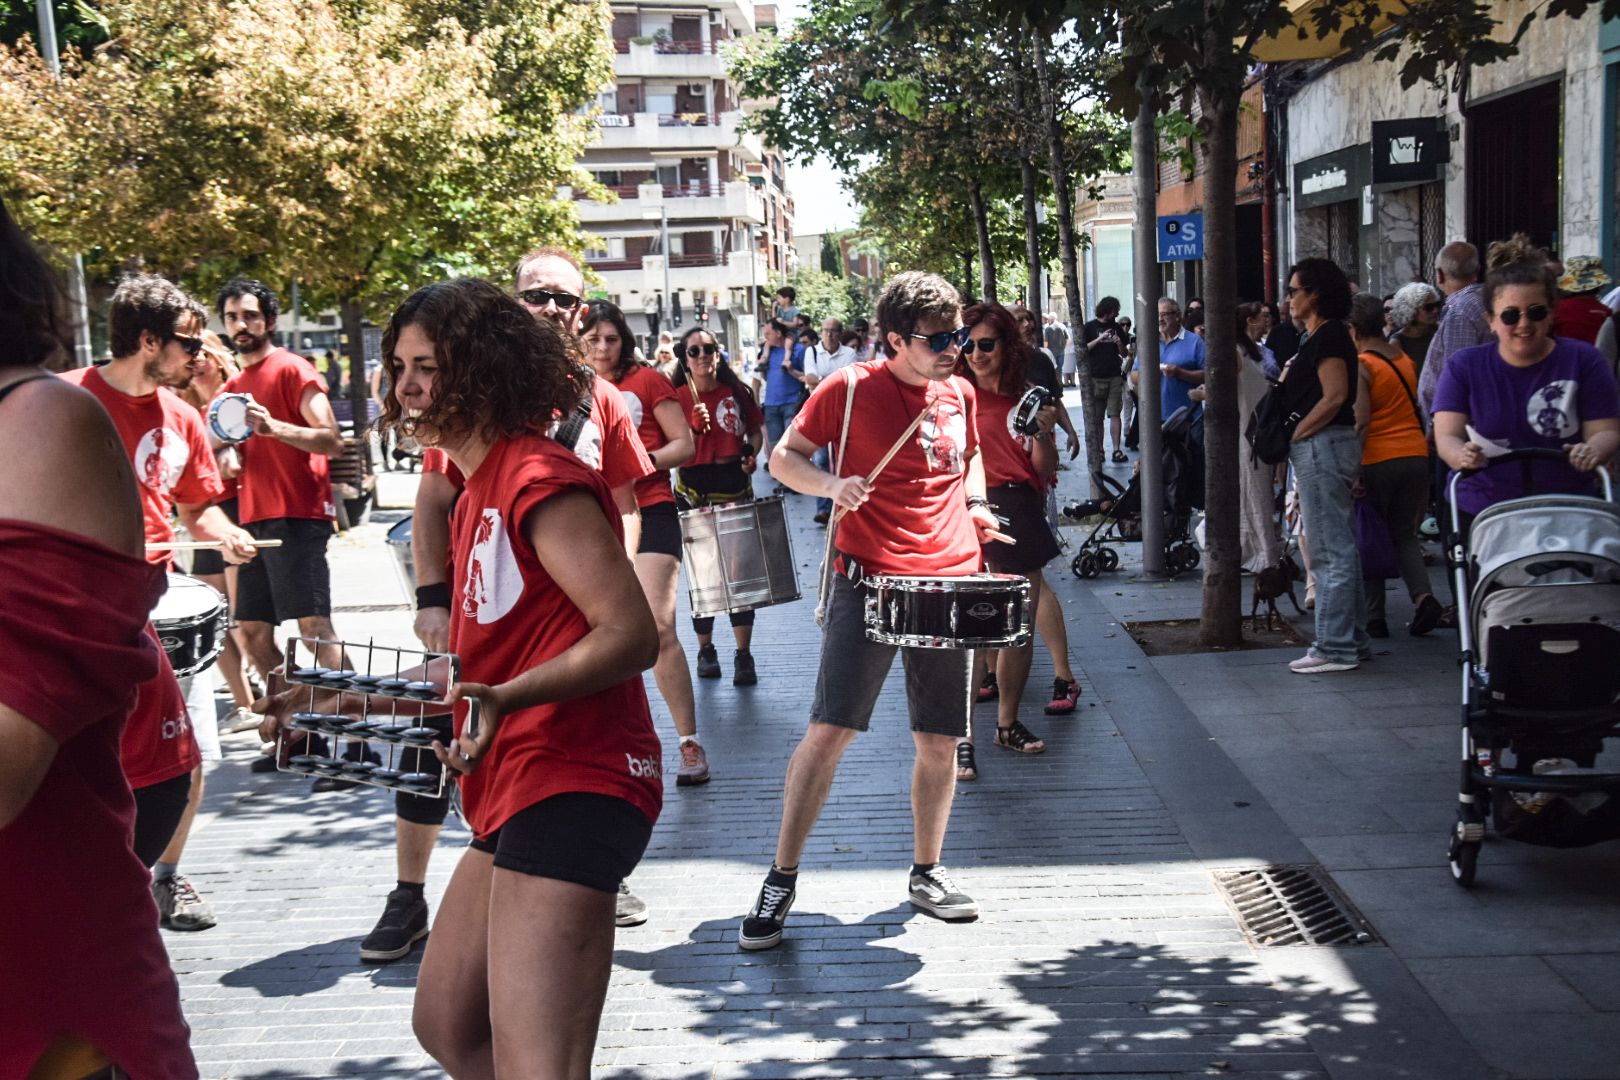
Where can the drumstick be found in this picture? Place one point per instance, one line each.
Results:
(899, 443)
(203, 545)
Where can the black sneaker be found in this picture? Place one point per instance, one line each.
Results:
(263, 764)
(762, 927)
(631, 909)
(938, 895)
(404, 922)
(708, 662)
(745, 674)
(1426, 617)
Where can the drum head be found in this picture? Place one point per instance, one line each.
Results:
(187, 600)
(227, 415)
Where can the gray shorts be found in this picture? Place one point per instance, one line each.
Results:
(853, 668)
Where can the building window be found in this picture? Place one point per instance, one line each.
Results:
(1343, 236)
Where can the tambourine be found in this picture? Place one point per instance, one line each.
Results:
(1034, 400)
(227, 416)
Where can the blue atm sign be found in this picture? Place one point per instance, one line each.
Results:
(1181, 238)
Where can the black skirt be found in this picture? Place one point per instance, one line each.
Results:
(1025, 511)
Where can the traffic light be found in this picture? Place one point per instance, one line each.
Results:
(700, 308)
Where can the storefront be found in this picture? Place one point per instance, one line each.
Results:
(1409, 158)
(1329, 192)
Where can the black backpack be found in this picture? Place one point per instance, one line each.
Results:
(1270, 430)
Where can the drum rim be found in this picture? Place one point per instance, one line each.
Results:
(919, 641)
(214, 421)
(931, 583)
(751, 505)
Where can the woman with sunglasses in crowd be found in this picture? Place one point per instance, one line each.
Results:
(1526, 389)
(1415, 313)
(553, 632)
(1017, 470)
(666, 434)
(727, 426)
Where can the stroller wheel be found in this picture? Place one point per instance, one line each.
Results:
(1464, 859)
(1085, 565)
(1108, 558)
(1183, 556)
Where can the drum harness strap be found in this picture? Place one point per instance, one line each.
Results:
(838, 465)
(571, 430)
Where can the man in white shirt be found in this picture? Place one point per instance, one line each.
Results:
(820, 361)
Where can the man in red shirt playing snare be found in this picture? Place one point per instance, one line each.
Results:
(924, 514)
(286, 490)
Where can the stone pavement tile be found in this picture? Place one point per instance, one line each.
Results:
(1595, 976)
(1505, 986)
(1550, 1047)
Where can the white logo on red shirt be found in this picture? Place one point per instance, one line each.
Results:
(160, 458)
(633, 405)
(729, 417)
(649, 767)
(943, 437)
(494, 582)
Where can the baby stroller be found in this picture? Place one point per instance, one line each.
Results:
(1538, 612)
(1121, 506)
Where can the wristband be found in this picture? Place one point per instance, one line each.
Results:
(978, 500)
(433, 596)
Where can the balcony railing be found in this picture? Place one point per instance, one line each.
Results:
(711, 259)
(604, 263)
(691, 119)
(692, 191)
(623, 191)
(685, 48)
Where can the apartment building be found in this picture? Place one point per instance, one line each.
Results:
(702, 210)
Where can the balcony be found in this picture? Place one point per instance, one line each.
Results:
(687, 61)
(734, 201)
(677, 131)
(727, 270)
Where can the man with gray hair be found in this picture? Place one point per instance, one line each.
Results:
(924, 513)
(1464, 322)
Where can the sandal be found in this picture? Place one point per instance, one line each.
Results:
(1065, 693)
(1020, 738)
(988, 690)
(1120, 458)
(966, 767)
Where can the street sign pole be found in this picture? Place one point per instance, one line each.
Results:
(1144, 152)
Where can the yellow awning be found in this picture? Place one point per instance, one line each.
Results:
(1288, 45)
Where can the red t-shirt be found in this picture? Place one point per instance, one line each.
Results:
(281, 481)
(79, 946)
(644, 388)
(168, 449)
(729, 423)
(1006, 452)
(510, 616)
(607, 443)
(916, 521)
(1580, 317)
(158, 742)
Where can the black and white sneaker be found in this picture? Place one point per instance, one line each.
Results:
(937, 894)
(404, 922)
(762, 927)
(631, 910)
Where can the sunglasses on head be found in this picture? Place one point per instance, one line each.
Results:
(192, 345)
(695, 351)
(1535, 313)
(945, 338)
(542, 297)
(984, 344)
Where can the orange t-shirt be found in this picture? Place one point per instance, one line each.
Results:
(1393, 430)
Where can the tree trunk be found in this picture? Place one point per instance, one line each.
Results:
(1062, 192)
(987, 261)
(1032, 222)
(967, 275)
(1221, 623)
(359, 384)
(1144, 153)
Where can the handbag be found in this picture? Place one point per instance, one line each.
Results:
(1270, 431)
(1377, 550)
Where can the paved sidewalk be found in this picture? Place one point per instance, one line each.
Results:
(1104, 948)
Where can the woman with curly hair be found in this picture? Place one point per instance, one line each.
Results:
(553, 633)
(610, 348)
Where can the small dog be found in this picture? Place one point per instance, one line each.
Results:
(1269, 584)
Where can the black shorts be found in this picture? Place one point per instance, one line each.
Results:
(209, 561)
(660, 530)
(1025, 511)
(288, 582)
(426, 809)
(158, 810)
(588, 839)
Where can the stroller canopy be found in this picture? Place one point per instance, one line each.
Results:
(1545, 540)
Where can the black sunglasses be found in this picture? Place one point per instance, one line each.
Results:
(946, 338)
(695, 351)
(542, 297)
(1535, 313)
(194, 345)
(986, 344)
(1432, 305)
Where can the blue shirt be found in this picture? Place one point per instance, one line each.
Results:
(1186, 350)
(780, 387)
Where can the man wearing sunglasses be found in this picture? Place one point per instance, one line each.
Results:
(924, 513)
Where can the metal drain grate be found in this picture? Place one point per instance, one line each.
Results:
(1292, 905)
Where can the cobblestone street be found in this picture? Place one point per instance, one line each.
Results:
(1104, 948)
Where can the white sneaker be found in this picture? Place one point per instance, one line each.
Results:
(1313, 664)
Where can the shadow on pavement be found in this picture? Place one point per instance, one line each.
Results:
(318, 967)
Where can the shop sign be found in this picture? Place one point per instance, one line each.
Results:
(1332, 177)
(1408, 151)
(1181, 238)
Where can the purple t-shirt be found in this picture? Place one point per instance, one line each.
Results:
(1543, 405)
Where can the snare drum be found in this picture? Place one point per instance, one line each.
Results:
(738, 557)
(399, 545)
(227, 416)
(977, 611)
(190, 622)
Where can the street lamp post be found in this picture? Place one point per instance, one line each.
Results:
(76, 292)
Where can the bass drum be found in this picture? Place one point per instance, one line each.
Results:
(399, 546)
(975, 611)
(190, 622)
(738, 557)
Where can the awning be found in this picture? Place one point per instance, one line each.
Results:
(1288, 45)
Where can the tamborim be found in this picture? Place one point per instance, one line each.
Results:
(190, 622)
(976, 611)
(399, 546)
(227, 415)
(738, 557)
(1034, 400)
